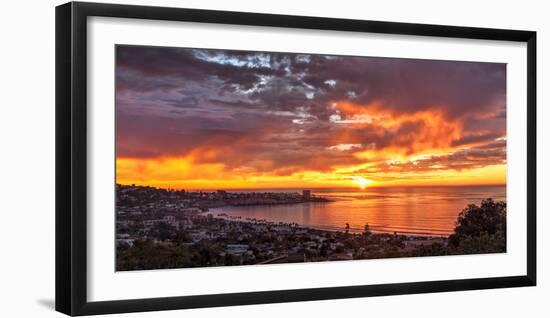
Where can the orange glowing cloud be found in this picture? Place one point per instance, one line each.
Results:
(414, 134)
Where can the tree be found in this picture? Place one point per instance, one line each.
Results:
(435, 249)
(484, 243)
(323, 251)
(182, 237)
(228, 260)
(366, 231)
(480, 229)
(165, 231)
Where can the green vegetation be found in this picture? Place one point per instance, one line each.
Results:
(480, 229)
(148, 255)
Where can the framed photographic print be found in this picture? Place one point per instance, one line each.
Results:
(208, 158)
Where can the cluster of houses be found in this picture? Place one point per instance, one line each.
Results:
(178, 218)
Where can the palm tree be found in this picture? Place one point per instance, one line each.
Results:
(366, 231)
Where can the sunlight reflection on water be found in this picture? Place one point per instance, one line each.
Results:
(406, 210)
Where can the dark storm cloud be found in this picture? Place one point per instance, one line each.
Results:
(137, 64)
(281, 81)
(410, 85)
(184, 102)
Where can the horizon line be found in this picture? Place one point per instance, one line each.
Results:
(314, 188)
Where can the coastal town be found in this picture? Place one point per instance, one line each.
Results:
(160, 228)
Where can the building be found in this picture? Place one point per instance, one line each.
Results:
(236, 249)
(306, 194)
(124, 242)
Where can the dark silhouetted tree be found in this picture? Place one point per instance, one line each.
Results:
(366, 231)
(480, 229)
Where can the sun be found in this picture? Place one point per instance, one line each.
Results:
(361, 182)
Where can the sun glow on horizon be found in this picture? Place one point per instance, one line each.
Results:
(361, 182)
(182, 173)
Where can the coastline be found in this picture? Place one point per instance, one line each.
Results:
(242, 242)
(161, 229)
(219, 213)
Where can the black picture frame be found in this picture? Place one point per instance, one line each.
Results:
(71, 157)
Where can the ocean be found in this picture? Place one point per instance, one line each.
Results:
(405, 210)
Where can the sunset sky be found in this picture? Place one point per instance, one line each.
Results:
(215, 119)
